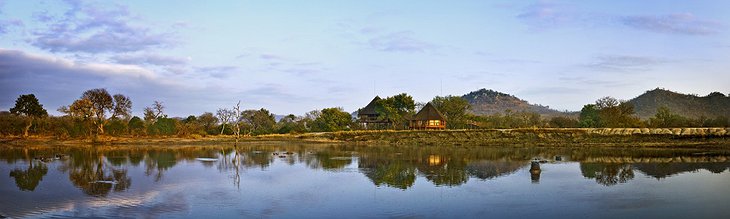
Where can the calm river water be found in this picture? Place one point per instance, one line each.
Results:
(335, 181)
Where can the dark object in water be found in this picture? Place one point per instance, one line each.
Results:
(558, 158)
(535, 172)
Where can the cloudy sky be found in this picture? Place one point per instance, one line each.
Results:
(297, 56)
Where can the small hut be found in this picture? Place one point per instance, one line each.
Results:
(368, 116)
(428, 118)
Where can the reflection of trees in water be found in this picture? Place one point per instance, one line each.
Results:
(328, 160)
(27, 180)
(607, 174)
(100, 181)
(490, 169)
(158, 162)
(396, 167)
(390, 172)
(663, 170)
(90, 171)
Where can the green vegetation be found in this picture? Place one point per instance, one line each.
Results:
(97, 113)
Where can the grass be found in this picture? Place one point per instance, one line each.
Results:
(621, 137)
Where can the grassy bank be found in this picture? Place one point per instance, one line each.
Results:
(621, 137)
(678, 137)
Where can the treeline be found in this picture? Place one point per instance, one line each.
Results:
(98, 113)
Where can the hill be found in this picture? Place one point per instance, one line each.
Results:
(488, 102)
(693, 106)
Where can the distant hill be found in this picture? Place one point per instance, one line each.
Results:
(488, 102)
(693, 106)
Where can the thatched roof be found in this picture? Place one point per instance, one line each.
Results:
(370, 108)
(429, 112)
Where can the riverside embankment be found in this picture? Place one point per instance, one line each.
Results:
(550, 137)
(657, 137)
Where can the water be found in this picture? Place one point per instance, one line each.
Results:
(334, 181)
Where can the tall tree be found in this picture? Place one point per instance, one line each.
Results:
(154, 112)
(454, 108)
(396, 108)
(225, 116)
(95, 104)
(261, 121)
(238, 119)
(29, 106)
(589, 117)
(614, 113)
(207, 120)
(332, 119)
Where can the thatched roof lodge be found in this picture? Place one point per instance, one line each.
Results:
(428, 118)
(368, 116)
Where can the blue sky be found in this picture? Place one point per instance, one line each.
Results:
(297, 56)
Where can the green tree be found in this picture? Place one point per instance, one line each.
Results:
(94, 105)
(136, 126)
(563, 122)
(208, 121)
(28, 105)
(454, 109)
(664, 118)
(163, 126)
(332, 119)
(396, 108)
(290, 124)
(260, 121)
(589, 117)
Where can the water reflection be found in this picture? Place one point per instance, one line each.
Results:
(98, 171)
(28, 179)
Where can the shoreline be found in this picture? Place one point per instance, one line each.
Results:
(539, 137)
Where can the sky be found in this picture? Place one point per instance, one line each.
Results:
(298, 56)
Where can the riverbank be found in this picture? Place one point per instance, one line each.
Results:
(619, 137)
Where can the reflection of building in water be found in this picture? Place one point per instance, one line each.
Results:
(434, 160)
(535, 171)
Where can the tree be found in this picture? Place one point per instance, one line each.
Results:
(94, 105)
(614, 113)
(261, 121)
(154, 112)
(225, 116)
(563, 122)
(332, 119)
(29, 106)
(454, 108)
(396, 108)
(237, 119)
(207, 120)
(122, 106)
(292, 124)
(589, 117)
(136, 126)
(664, 118)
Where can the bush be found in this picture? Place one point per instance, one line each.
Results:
(116, 127)
(136, 126)
(163, 126)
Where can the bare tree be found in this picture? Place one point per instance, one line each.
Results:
(154, 112)
(238, 120)
(225, 116)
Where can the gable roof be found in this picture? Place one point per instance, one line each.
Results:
(429, 112)
(370, 108)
